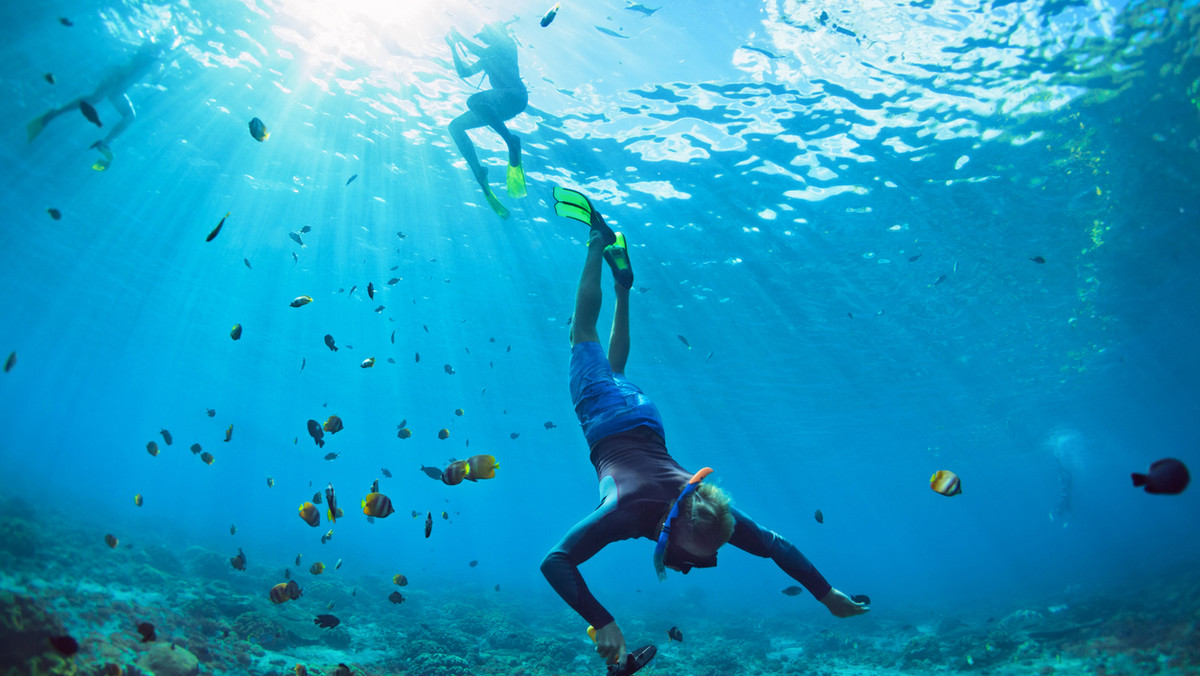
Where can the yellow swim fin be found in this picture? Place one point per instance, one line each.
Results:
(516, 181)
(106, 158)
(495, 204)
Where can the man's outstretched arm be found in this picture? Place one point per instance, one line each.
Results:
(750, 537)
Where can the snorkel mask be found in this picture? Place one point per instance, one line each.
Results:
(660, 550)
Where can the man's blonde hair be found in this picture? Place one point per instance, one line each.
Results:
(708, 517)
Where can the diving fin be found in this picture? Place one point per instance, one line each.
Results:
(617, 255)
(573, 204)
(495, 204)
(106, 158)
(34, 128)
(516, 181)
(634, 661)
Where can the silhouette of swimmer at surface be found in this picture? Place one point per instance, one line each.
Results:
(150, 58)
(496, 57)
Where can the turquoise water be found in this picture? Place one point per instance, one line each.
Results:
(839, 215)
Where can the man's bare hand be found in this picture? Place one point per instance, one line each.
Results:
(610, 643)
(840, 605)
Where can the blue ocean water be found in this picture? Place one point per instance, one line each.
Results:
(871, 242)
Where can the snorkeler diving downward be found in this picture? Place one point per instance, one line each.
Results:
(497, 59)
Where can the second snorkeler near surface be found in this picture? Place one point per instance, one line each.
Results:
(495, 56)
(644, 492)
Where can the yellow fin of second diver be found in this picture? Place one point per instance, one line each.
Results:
(516, 181)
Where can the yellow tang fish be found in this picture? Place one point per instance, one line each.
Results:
(310, 514)
(377, 505)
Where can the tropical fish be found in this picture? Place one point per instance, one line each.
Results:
(793, 591)
(377, 504)
(300, 670)
(317, 499)
(137, 500)
(685, 342)
(247, 262)
(549, 425)
(111, 540)
(379, 310)
(396, 280)
(298, 557)
(351, 179)
(432, 472)
(295, 237)
(270, 482)
(417, 357)
(371, 290)
(332, 456)
(396, 597)
(55, 214)
(229, 432)
(326, 621)
(428, 524)
(331, 501)
(285, 591)
(152, 448)
(310, 514)
(303, 362)
(147, 631)
(295, 258)
(514, 435)
(673, 634)
(375, 486)
(212, 412)
(819, 516)
(404, 433)
(443, 434)
(238, 562)
(445, 516)
(387, 473)
(549, 15)
(301, 301)
(945, 482)
(65, 21)
(217, 230)
(236, 331)
(333, 424)
(939, 280)
(195, 449)
(400, 580)
(1038, 259)
(1165, 477)
(481, 466)
(329, 343)
(352, 291)
(393, 337)
(306, 229)
(166, 435)
(327, 536)
(342, 670)
(317, 568)
(49, 77)
(338, 564)
(455, 472)
(449, 369)
(368, 362)
(459, 412)
(90, 113)
(913, 259)
(608, 31)
(207, 458)
(233, 529)
(258, 130)
(315, 431)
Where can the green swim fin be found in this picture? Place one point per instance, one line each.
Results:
(495, 204)
(106, 158)
(617, 255)
(516, 181)
(34, 128)
(573, 204)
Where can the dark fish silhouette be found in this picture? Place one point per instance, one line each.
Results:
(449, 369)
(147, 631)
(49, 77)
(217, 230)
(371, 290)
(65, 645)
(1038, 259)
(819, 516)
(351, 179)
(329, 342)
(549, 425)
(247, 262)
(685, 342)
(386, 472)
(326, 621)
(613, 33)
(55, 214)
(90, 113)
(315, 431)
(166, 436)
(428, 524)
(65, 21)
(940, 279)
(793, 591)
(1165, 477)
(641, 9)
(913, 259)
(549, 16)
(258, 130)
(673, 634)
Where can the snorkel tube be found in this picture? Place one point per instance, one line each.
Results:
(660, 549)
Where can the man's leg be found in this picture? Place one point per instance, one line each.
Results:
(458, 131)
(588, 296)
(618, 342)
(125, 107)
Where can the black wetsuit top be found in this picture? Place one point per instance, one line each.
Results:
(638, 482)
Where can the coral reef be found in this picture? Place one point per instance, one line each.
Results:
(25, 629)
(169, 660)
